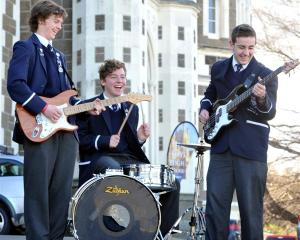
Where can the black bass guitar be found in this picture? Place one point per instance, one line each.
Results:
(221, 117)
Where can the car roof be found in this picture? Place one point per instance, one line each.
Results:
(12, 157)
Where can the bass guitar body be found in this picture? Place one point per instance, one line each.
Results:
(221, 116)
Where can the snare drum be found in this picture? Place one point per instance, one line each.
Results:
(158, 178)
(115, 207)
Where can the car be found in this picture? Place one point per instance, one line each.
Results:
(11, 193)
(234, 230)
(281, 237)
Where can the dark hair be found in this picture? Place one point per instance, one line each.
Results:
(243, 30)
(42, 10)
(109, 66)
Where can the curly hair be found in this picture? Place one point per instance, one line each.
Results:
(42, 10)
(109, 66)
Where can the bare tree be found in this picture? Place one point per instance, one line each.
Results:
(280, 36)
(281, 28)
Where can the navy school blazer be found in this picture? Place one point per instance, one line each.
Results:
(249, 136)
(95, 131)
(27, 78)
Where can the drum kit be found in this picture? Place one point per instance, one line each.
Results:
(123, 204)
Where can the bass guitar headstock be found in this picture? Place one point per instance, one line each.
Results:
(288, 66)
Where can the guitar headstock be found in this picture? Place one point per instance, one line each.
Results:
(137, 97)
(288, 66)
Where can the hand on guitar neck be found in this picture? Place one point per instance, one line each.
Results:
(53, 113)
(98, 107)
(259, 91)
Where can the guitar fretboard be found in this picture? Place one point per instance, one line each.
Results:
(241, 98)
(72, 110)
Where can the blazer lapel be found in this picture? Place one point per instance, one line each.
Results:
(223, 69)
(40, 51)
(106, 117)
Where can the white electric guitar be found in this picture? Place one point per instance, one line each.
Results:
(39, 128)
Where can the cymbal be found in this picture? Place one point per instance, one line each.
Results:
(198, 147)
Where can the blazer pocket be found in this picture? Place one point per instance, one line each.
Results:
(257, 124)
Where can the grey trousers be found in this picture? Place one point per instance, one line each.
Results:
(48, 176)
(228, 172)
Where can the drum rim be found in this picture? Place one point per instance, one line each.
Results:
(96, 178)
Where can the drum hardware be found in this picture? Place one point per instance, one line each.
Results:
(158, 178)
(197, 221)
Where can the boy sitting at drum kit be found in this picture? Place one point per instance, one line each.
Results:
(101, 147)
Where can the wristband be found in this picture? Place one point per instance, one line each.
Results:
(45, 108)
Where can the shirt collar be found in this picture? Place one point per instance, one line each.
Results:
(43, 40)
(234, 62)
(118, 104)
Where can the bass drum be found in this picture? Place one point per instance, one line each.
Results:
(115, 207)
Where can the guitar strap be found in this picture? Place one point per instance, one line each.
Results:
(69, 78)
(251, 78)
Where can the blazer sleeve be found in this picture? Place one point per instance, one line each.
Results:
(210, 94)
(18, 78)
(266, 111)
(89, 139)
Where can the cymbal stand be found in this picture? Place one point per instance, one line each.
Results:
(197, 222)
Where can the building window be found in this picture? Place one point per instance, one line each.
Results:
(143, 27)
(181, 88)
(143, 58)
(195, 91)
(161, 143)
(126, 23)
(78, 57)
(180, 60)
(143, 1)
(127, 55)
(212, 16)
(159, 32)
(98, 87)
(201, 90)
(195, 63)
(210, 60)
(78, 25)
(128, 86)
(160, 60)
(99, 54)
(160, 115)
(181, 115)
(100, 22)
(180, 33)
(160, 88)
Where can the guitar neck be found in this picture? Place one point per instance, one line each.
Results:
(245, 95)
(72, 110)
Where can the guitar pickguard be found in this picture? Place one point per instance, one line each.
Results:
(45, 127)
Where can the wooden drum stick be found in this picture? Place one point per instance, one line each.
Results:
(125, 120)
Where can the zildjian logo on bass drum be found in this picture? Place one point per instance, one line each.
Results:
(116, 190)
